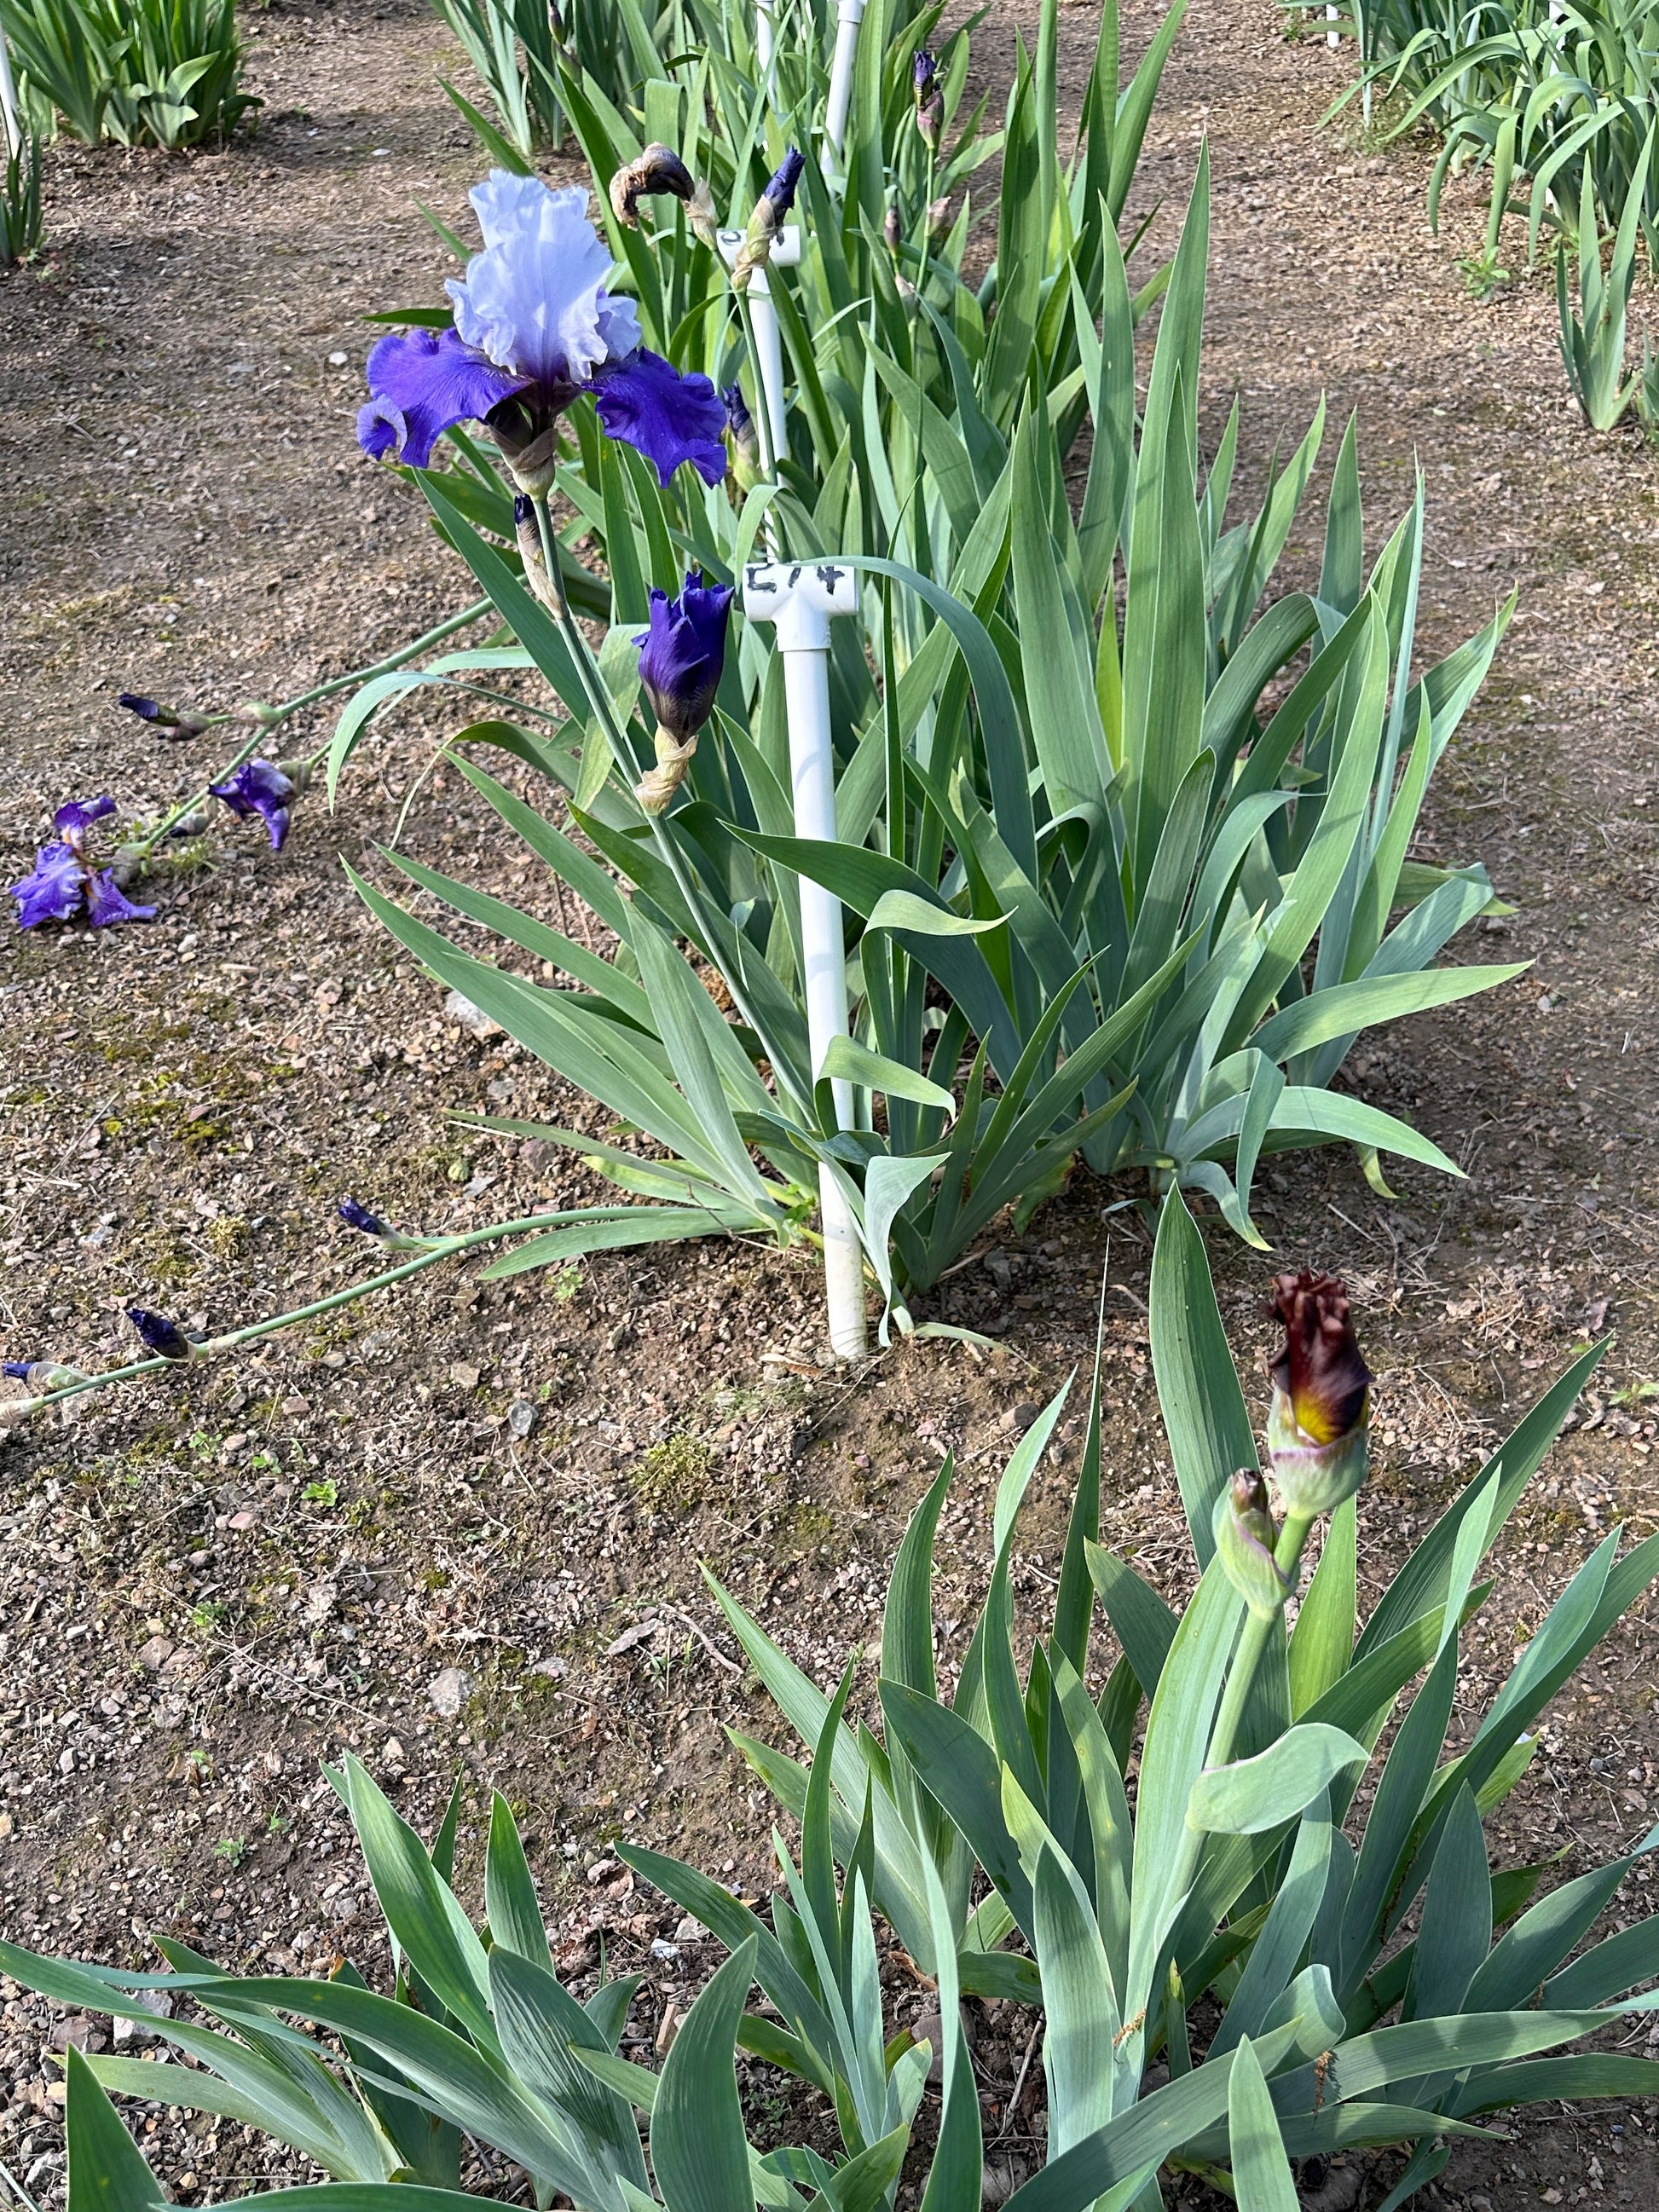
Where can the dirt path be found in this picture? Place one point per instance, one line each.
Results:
(208, 1586)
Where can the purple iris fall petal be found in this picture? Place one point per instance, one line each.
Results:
(668, 417)
(359, 1217)
(259, 786)
(684, 653)
(52, 890)
(108, 903)
(159, 1333)
(421, 383)
(77, 815)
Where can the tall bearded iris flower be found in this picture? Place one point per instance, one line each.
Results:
(534, 326)
(64, 885)
(681, 657)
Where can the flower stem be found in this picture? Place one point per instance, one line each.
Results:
(277, 715)
(441, 1247)
(593, 684)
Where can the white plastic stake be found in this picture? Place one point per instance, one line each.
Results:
(8, 100)
(1332, 16)
(764, 33)
(768, 341)
(849, 16)
(802, 599)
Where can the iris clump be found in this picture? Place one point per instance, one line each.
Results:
(259, 787)
(64, 885)
(536, 326)
(681, 659)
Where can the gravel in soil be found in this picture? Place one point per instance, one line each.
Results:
(461, 1529)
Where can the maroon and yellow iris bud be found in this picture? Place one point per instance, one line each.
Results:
(1318, 1427)
(1245, 1538)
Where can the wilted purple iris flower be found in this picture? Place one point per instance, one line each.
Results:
(259, 786)
(63, 884)
(159, 1334)
(359, 1217)
(534, 326)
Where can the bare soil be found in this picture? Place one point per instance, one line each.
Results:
(212, 1581)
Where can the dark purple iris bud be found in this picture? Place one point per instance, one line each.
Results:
(536, 326)
(359, 1217)
(165, 718)
(259, 786)
(924, 69)
(780, 184)
(684, 653)
(740, 429)
(892, 230)
(1320, 1369)
(681, 657)
(159, 1334)
(17, 1369)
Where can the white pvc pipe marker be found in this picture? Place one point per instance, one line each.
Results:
(768, 341)
(763, 32)
(801, 599)
(849, 16)
(8, 100)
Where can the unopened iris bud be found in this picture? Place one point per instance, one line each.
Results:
(743, 437)
(930, 120)
(938, 219)
(658, 171)
(1244, 1541)
(165, 718)
(770, 209)
(892, 230)
(161, 1335)
(16, 1371)
(359, 1217)
(42, 1375)
(924, 72)
(1318, 1425)
(681, 658)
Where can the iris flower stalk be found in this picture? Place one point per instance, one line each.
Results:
(15, 1411)
(1325, 1386)
(267, 719)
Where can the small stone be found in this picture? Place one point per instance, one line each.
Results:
(156, 1653)
(601, 1869)
(689, 1931)
(521, 1416)
(465, 1375)
(555, 1668)
(449, 1690)
(5, 1826)
(661, 1949)
(338, 358)
(393, 1755)
(459, 1008)
(240, 1521)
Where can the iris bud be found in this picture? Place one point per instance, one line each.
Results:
(770, 209)
(161, 1335)
(1244, 1540)
(1319, 1426)
(892, 231)
(165, 718)
(938, 219)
